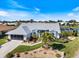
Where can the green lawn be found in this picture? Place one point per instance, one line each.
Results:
(71, 48)
(71, 26)
(3, 40)
(23, 48)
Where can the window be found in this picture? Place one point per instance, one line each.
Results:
(41, 31)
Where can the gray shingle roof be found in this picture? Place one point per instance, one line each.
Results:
(26, 28)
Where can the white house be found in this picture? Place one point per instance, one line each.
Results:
(24, 31)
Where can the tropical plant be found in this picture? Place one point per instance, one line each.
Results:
(75, 32)
(58, 55)
(46, 38)
(34, 37)
(66, 34)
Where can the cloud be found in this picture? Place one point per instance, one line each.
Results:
(23, 15)
(14, 15)
(76, 9)
(74, 14)
(3, 13)
(15, 4)
(37, 9)
(70, 14)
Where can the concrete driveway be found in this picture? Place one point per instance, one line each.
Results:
(8, 47)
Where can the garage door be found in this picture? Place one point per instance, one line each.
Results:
(17, 37)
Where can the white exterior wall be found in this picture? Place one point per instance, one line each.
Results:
(25, 37)
(58, 36)
(9, 37)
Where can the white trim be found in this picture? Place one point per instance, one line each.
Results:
(24, 37)
(9, 36)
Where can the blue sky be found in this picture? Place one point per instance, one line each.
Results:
(39, 9)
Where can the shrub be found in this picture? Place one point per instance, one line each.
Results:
(65, 34)
(24, 40)
(9, 39)
(71, 48)
(58, 55)
(26, 52)
(10, 55)
(61, 40)
(18, 54)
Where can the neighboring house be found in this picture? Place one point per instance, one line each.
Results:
(25, 30)
(10, 23)
(5, 28)
(63, 23)
(0, 22)
(67, 29)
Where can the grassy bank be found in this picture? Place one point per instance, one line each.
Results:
(71, 48)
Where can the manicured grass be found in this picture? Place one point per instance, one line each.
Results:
(23, 48)
(71, 26)
(3, 40)
(71, 48)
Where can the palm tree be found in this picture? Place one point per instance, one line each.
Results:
(34, 37)
(46, 38)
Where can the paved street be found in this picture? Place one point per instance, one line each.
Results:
(8, 47)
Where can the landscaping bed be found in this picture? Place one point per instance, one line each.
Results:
(23, 48)
(69, 48)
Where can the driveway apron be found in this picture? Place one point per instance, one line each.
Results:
(8, 47)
